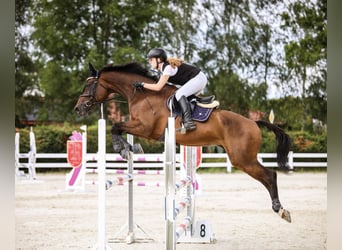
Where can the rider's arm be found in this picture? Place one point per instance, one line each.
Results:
(159, 85)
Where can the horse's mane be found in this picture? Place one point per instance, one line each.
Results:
(132, 67)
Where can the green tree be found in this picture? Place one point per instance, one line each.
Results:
(69, 34)
(184, 25)
(27, 94)
(287, 112)
(232, 92)
(238, 53)
(59, 38)
(306, 56)
(234, 42)
(258, 98)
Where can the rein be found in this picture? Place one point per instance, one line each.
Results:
(145, 98)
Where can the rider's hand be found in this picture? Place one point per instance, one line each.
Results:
(139, 85)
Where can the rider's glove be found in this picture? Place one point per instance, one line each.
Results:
(139, 85)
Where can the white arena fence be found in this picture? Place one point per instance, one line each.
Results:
(155, 161)
(33, 160)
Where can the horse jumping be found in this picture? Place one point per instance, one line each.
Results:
(238, 135)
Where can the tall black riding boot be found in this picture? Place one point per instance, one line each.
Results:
(186, 110)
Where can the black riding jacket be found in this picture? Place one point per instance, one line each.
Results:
(184, 74)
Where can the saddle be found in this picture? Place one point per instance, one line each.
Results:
(201, 107)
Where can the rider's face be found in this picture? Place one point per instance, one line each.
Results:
(153, 62)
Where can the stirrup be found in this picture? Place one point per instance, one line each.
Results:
(190, 126)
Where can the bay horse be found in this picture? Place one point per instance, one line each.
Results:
(239, 136)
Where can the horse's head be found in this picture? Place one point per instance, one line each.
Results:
(93, 93)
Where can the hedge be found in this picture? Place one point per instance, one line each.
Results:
(53, 138)
(301, 142)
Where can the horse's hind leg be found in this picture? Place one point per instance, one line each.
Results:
(269, 179)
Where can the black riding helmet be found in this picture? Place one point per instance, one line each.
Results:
(157, 53)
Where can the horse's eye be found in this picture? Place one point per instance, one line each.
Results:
(88, 104)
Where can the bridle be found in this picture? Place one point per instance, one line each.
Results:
(91, 93)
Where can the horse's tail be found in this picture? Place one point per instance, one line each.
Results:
(283, 143)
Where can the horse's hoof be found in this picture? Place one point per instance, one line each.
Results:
(284, 214)
(137, 149)
(125, 154)
(117, 147)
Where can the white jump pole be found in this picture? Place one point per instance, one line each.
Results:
(131, 236)
(101, 166)
(169, 169)
(18, 172)
(84, 156)
(17, 150)
(32, 156)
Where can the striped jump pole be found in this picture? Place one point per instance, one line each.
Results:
(187, 231)
(124, 181)
(124, 171)
(191, 230)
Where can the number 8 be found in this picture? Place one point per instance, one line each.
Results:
(202, 232)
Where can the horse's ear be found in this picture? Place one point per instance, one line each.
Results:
(92, 70)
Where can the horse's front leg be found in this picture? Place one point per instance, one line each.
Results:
(120, 145)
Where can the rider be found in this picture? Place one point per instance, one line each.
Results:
(191, 79)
